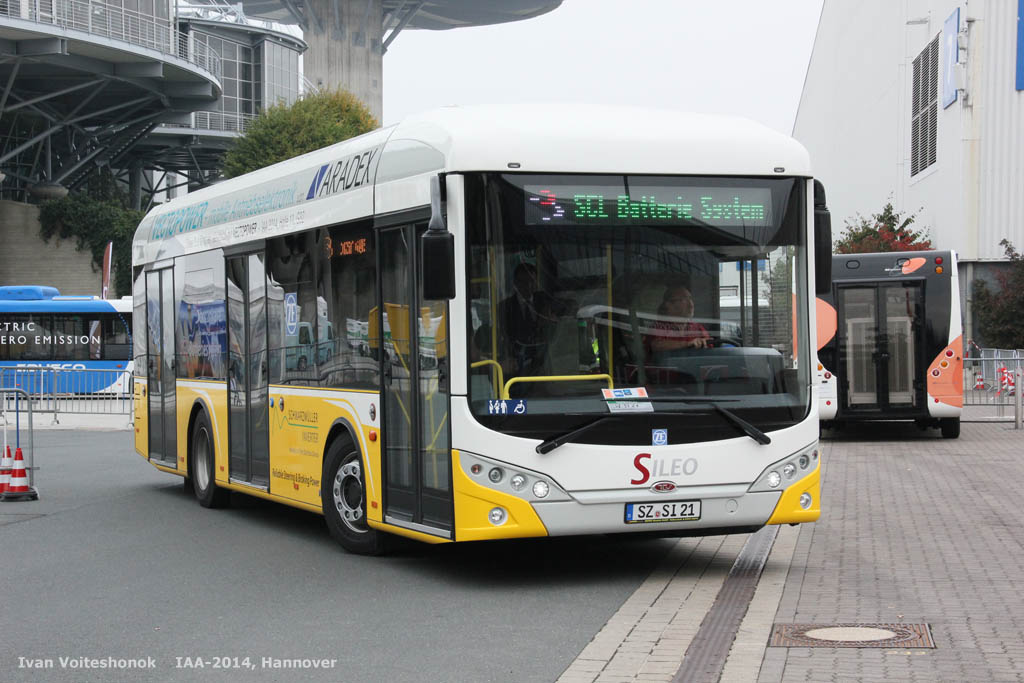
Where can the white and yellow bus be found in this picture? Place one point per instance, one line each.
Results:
(527, 366)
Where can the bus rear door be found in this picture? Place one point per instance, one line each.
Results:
(880, 345)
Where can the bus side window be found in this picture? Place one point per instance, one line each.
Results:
(349, 337)
(293, 306)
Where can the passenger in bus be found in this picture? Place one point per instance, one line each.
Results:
(675, 329)
(524, 316)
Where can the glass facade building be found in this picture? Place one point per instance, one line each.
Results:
(260, 68)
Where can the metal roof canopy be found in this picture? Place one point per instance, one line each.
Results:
(433, 15)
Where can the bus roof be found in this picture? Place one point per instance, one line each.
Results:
(42, 299)
(27, 293)
(344, 181)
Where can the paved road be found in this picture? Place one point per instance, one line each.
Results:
(115, 560)
(919, 529)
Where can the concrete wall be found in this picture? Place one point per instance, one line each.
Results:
(25, 259)
(345, 50)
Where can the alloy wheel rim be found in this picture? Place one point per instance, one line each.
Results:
(347, 494)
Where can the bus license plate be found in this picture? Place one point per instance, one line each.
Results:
(675, 511)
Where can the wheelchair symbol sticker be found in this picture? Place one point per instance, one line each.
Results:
(506, 407)
(659, 437)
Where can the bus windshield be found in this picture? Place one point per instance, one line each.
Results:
(689, 290)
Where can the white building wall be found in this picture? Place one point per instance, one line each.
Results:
(855, 111)
(848, 116)
(999, 111)
(935, 193)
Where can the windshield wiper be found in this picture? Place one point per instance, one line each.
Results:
(549, 445)
(741, 424)
(730, 417)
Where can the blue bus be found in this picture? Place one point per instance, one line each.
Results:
(89, 337)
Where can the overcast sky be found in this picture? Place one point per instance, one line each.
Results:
(745, 57)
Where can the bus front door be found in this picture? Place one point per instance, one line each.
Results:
(248, 401)
(880, 346)
(160, 366)
(416, 434)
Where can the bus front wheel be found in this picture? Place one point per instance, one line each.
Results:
(950, 427)
(201, 465)
(343, 493)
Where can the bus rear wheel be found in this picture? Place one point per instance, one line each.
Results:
(343, 494)
(950, 427)
(201, 465)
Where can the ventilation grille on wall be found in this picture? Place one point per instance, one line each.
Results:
(924, 108)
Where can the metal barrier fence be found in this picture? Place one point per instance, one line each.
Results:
(991, 384)
(71, 390)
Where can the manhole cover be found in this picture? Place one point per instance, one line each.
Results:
(851, 635)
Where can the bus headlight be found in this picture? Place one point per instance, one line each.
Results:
(495, 475)
(786, 470)
(541, 489)
(805, 500)
(517, 482)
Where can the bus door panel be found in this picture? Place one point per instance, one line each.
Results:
(416, 444)
(160, 360)
(248, 445)
(902, 313)
(880, 344)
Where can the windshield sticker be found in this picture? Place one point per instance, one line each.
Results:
(630, 406)
(507, 407)
(659, 437)
(612, 394)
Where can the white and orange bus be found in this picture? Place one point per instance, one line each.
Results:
(494, 376)
(891, 340)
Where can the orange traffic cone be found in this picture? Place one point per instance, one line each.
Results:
(6, 463)
(19, 489)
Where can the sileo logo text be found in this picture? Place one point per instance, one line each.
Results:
(661, 467)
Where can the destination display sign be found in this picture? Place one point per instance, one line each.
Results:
(648, 205)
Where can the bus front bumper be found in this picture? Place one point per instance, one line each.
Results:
(605, 511)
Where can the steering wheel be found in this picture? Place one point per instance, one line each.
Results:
(723, 341)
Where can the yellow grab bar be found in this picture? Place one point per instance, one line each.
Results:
(555, 378)
(481, 363)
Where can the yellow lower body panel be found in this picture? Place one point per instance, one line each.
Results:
(788, 510)
(474, 502)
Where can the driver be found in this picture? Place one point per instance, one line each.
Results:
(675, 328)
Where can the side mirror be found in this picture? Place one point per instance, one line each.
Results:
(437, 251)
(822, 242)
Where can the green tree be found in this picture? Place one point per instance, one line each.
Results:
(886, 231)
(281, 132)
(95, 217)
(1000, 314)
